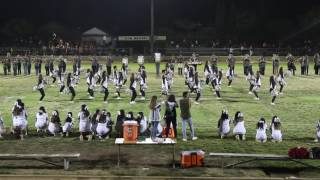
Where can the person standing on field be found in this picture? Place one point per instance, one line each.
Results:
(185, 106)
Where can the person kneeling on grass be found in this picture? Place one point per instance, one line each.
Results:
(318, 132)
(66, 128)
(104, 127)
(41, 121)
(239, 130)
(94, 122)
(224, 124)
(54, 124)
(84, 123)
(276, 134)
(120, 120)
(19, 119)
(261, 135)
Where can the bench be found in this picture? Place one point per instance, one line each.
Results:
(42, 158)
(256, 157)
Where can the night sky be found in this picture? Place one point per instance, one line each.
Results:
(131, 17)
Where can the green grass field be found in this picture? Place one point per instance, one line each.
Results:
(298, 110)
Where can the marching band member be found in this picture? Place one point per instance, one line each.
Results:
(216, 83)
(142, 75)
(180, 64)
(40, 87)
(133, 86)
(207, 71)
(90, 82)
(54, 75)
(291, 66)
(61, 82)
(262, 65)
(97, 76)
(124, 70)
(66, 128)
(224, 124)
(84, 123)
(164, 84)
(230, 76)
(197, 87)
(169, 75)
(275, 63)
(231, 60)
(275, 126)
(239, 130)
(119, 83)
(109, 64)
(316, 60)
(214, 62)
(41, 120)
(257, 85)
(71, 85)
(186, 73)
(104, 84)
(246, 64)
(54, 124)
(273, 89)
(281, 80)
(251, 78)
(261, 134)
(190, 81)
(304, 61)
(46, 67)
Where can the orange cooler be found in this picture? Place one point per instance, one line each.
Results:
(130, 131)
(192, 159)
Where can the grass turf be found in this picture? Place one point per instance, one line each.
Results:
(298, 110)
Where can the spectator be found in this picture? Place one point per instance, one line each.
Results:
(185, 105)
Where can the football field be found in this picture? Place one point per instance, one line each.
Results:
(298, 108)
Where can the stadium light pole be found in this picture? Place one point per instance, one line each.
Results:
(152, 27)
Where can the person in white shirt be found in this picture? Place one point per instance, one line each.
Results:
(132, 87)
(154, 116)
(230, 76)
(261, 134)
(281, 80)
(41, 121)
(67, 127)
(19, 119)
(197, 87)
(84, 123)
(104, 86)
(55, 124)
(257, 85)
(224, 124)
(239, 129)
(273, 89)
(275, 127)
(40, 87)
